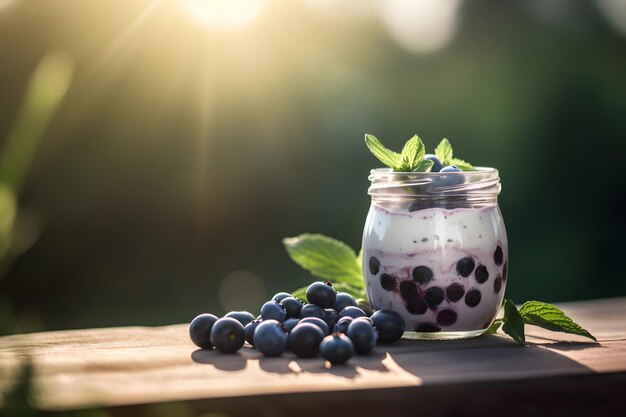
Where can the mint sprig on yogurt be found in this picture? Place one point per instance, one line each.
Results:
(414, 158)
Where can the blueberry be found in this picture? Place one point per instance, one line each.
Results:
(498, 256)
(446, 317)
(278, 297)
(465, 266)
(289, 324)
(472, 298)
(312, 310)
(242, 317)
(249, 331)
(200, 330)
(408, 290)
(436, 162)
(331, 317)
(317, 322)
(422, 274)
(390, 325)
(273, 311)
(270, 338)
(453, 177)
(343, 300)
(416, 306)
(481, 274)
(451, 168)
(292, 306)
(227, 335)
(455, 292)
(336, 348)
(342, 324)
(304, 340)
(433, 296)
(387, 282)
(365, 306)
(374, 265)
(322, 294)
(497, 284)
(505, 271)
(353, 312)
(363, 336)
(427, 328)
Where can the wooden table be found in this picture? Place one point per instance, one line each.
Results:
(130, 369)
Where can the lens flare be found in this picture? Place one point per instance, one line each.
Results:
(224, 14)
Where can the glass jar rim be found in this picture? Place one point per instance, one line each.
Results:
(478, 171)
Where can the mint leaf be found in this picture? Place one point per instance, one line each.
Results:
(413, 153)
(493, 329)
(513, 322)
(325, 257)
(464, 166)
(424, 166)
(388, 157)
(551, 318)
(443, 152)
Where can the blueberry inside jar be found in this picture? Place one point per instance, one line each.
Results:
(435, 250)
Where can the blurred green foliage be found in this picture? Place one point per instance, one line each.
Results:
(183, 153)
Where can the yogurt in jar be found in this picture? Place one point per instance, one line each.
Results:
(442, 268)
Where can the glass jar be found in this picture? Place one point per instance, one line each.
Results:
(435, 250)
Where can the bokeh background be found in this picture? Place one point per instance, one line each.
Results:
(155, 153)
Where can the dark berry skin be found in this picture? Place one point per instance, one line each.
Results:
(427, 328)
(408, 290)
(465, 266)
(472, 298)
(278, 297)
(497, 284)
(317, 322)
(342, 324)
(455, 292)
(200, 330)
(273, 311)
(336, 348)
(292, 306)
(450, 168)
(498, 256)
(353, 312)
(343, 300)
(446, 317)
(365, 306)
(390, 325)
(312, 310)
(363, 336)
(388, 282)
(331, 318)
(454, 176)
(433, 296)
(481, 274)
(242, 317)
(290, 324)
(422, 274)
(227, 335)
(249, 331)
(322, 294)
(304, 340)
(374, 265)
(436, 162)
(270, 338)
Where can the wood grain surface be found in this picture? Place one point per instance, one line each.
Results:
(141, 365)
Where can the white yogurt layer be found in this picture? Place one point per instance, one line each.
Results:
(395, 243)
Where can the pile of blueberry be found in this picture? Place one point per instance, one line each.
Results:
(438, 166)
(330, 324)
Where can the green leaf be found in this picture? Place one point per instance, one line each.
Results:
(388, 157)
(513, 322)
(424, 166)
(465, 166)
(493, 329)
(551, 318)
(413, 153)
(325, 257)
(443, 152)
